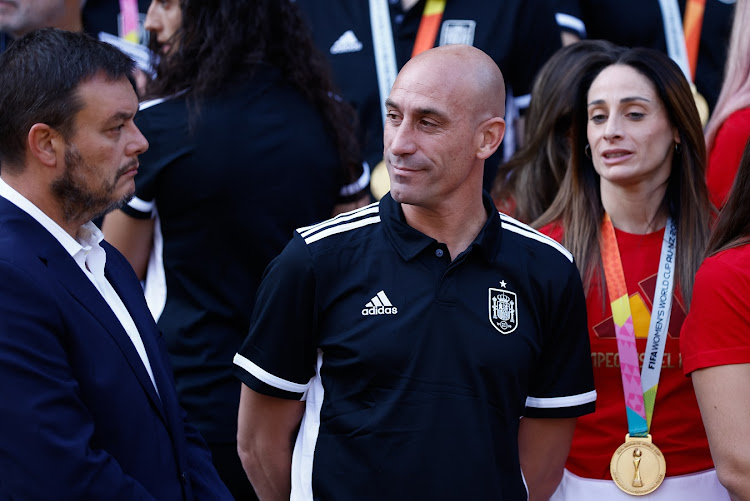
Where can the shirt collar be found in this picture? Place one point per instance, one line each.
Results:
(410, 242)
(88, 233)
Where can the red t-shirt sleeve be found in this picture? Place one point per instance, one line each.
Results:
(724, 157)
(717, 329)
(553, 230)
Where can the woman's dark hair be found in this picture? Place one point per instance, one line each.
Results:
(526, 185)
(733, 226)
(220, 41)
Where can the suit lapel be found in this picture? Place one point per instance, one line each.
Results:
(63, 268)
(120, 275)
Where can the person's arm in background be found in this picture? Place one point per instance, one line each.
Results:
(267, 427)
(715, 347)
(570, 20)
(356, 194)
(724, 400)
(133, 237)
(543, 446)
(356, 204)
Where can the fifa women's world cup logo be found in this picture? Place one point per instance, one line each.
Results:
(503, 309)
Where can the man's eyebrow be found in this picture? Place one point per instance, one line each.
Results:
(433, 112)
(121, 116)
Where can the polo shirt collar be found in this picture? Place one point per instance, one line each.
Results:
(409, 242)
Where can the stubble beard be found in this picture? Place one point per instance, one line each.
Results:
(80, 204)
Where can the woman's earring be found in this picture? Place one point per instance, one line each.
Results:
(678, 148)
(587, 151)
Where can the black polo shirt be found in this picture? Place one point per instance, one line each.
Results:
(230, 189)
(519, 36)
(415, 369)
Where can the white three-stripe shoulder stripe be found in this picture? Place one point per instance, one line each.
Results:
(511, 224)
(341, 223)
(267, 377)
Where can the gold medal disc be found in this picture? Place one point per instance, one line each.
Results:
(638, 466)
(700, 104)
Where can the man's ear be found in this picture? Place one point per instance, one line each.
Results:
(45, 144)
(492, 132)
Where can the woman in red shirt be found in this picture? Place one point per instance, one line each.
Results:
(715, 338)
(633, 209)
(729, 126)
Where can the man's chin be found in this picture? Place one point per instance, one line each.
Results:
(121, 202)
(116, 204)
(401, 193)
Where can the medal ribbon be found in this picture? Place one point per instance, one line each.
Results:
(639, 388)
(129, 20)
(384, 49)
(678, 48)
(692, 24)
(675, 36)
(429, 26)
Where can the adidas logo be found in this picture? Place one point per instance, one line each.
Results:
(347, 42)
(379, 305)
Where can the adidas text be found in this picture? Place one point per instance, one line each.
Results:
(380, 310)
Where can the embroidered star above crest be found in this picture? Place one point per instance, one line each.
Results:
(502, 283)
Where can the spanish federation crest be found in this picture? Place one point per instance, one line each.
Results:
(503, 310)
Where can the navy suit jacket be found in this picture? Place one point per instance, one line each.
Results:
(79, 416)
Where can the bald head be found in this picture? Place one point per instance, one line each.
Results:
(466, 70)
(444, 120)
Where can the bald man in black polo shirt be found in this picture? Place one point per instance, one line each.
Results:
(423, 347)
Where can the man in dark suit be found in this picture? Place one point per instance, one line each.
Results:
(88, 407)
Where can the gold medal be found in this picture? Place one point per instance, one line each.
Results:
(700, 104)
(638, 466)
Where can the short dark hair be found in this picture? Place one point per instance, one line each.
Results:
(39, 77)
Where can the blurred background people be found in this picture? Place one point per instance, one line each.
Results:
(729, 127)
(248, 142)
(568, 17)
(635, 181)
(640, 23)
(18, 17)
(526, 185)
(22, 16)
(368, 42)
(715, 338)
